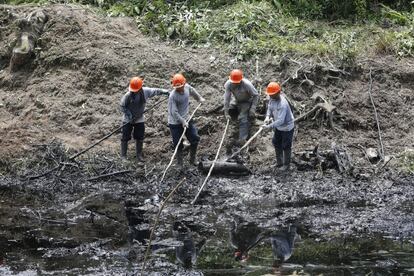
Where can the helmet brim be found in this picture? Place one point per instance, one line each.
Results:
(134, 90)
(235, 81)
(179, 86)
(273, 93)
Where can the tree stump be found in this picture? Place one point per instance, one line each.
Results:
(31, 28)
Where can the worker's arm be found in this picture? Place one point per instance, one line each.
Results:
(151, 92)
(196, 95)
(124, 107)
(227, 96)
(254, 94)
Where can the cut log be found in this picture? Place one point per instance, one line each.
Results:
(31, 28)
(224, 168)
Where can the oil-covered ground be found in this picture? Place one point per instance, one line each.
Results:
(71, 223)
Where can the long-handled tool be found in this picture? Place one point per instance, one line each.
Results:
(178, 144)
(91, 146)
(214, 162)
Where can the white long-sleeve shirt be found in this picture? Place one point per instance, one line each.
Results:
(281, 113)
(178, 104)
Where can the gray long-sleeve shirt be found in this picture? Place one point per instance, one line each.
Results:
(133, 104)
(281, 113)
(242, 93)
(178, 104)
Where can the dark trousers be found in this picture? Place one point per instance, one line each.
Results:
(282, 140)
(137, 131)
(191, 134)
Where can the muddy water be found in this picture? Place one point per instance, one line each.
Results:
(347, 227)
(366, 256)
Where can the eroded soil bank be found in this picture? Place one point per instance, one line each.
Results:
(357, 222)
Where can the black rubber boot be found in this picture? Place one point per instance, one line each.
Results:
(138, 149)
(286, 159)
(124, 149)
(179, 157)
(193, 154)
(279, 158)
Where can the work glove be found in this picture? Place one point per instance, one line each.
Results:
(166, 93)
(267, 120)
(252, 114)
(184, 124)
(202, 100)
(266, 126)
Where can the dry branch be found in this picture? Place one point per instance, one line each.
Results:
(376, 114)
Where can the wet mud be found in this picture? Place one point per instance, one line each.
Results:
(74, 222)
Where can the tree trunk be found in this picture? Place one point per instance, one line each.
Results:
(31, 28)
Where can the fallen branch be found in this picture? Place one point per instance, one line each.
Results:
(108, 174)
(214, 162)
(376, 114)
(157, 218)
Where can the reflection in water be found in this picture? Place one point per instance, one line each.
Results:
(283, 244)
(187, 253)
(243, 237)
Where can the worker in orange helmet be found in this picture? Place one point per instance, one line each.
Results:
(283, 125)
(178, 105)
(133, 106)
(240, 101)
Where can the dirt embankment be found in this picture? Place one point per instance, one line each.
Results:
(71, 90)
(83, 61)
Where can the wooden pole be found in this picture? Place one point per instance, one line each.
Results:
(214, 162)
(376, 114)
(157, 219)
(178, 144)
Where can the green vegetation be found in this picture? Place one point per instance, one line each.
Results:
(406, 161)
(248, 28)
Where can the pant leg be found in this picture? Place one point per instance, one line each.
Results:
(277, 139)
(233, 132)
(287, 139)
(126, 132)
(192, 134)
(244, 124)
(139, 131)
(176, 132)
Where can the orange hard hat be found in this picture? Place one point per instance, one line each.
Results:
(135, 84)
(273, 88)
(178, 81)
(236, 76)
